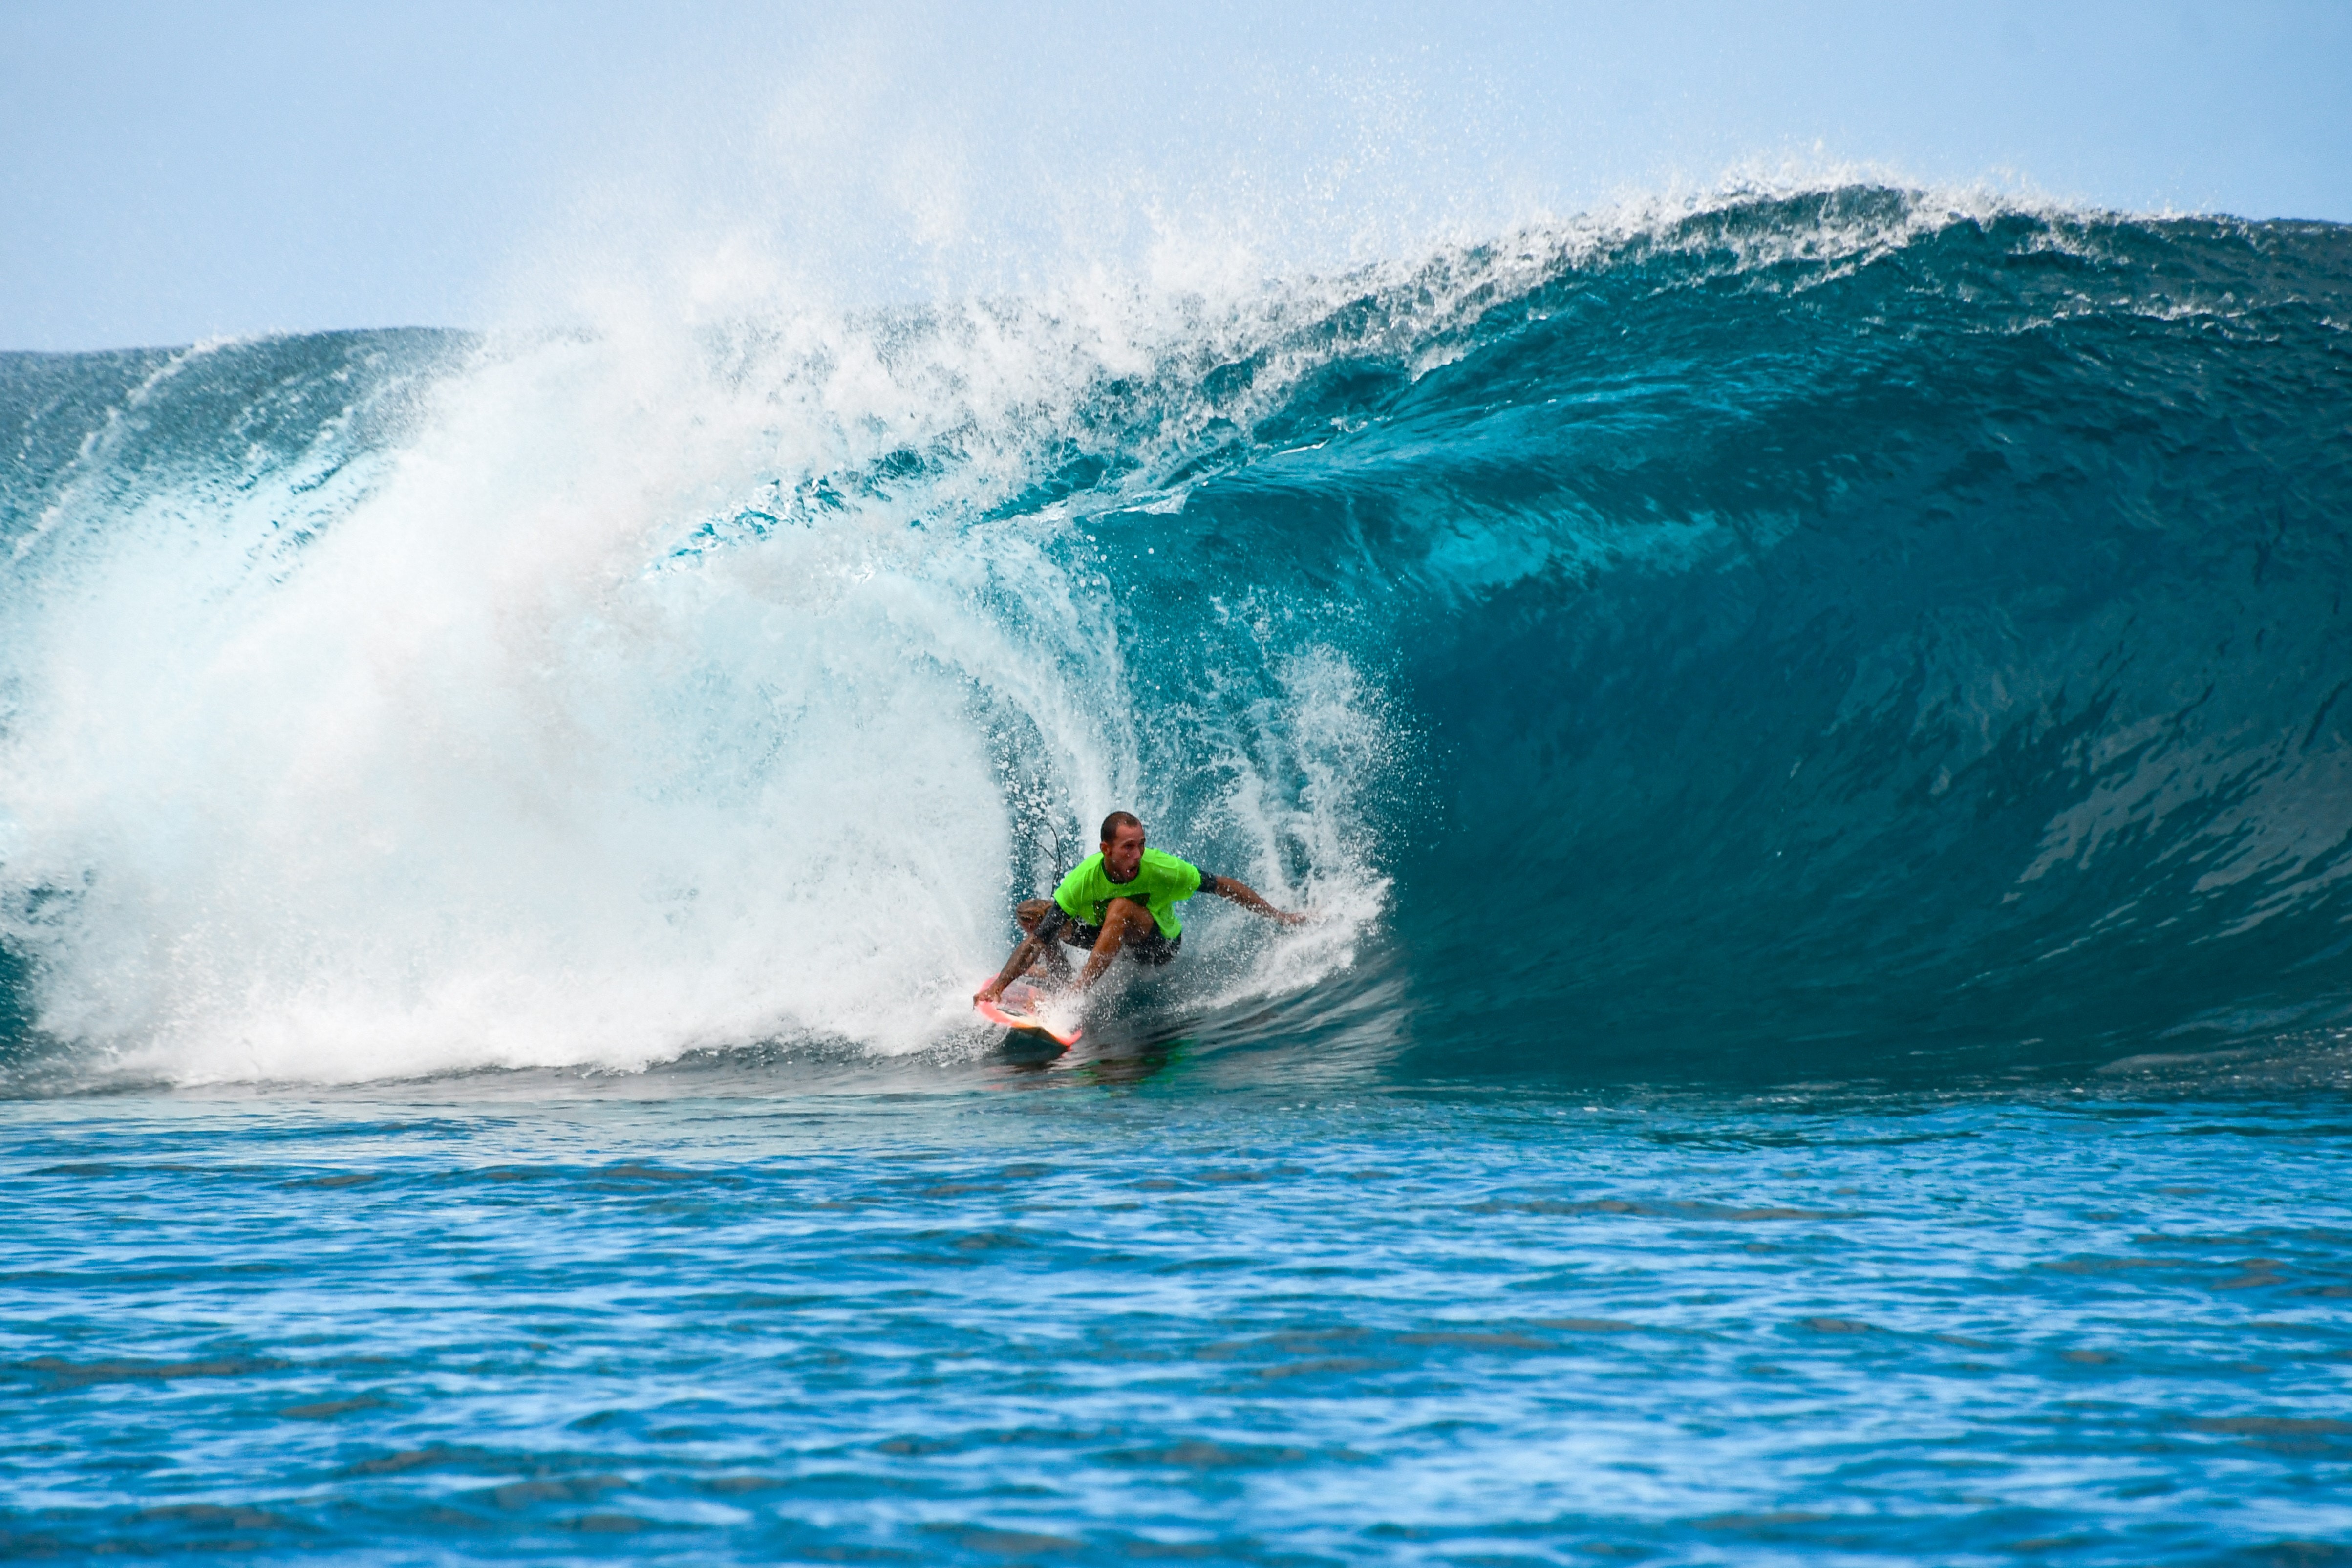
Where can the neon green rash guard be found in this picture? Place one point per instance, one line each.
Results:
(1162, 881)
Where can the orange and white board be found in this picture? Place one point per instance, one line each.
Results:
(1019, 1009)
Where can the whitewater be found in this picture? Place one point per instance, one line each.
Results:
(1813, 724)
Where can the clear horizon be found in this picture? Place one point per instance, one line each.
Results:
(172, 177)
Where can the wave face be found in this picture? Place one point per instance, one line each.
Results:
(1801, 635)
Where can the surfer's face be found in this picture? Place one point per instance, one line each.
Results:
(1122, 853)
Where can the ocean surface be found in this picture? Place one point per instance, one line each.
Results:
(1812, 726)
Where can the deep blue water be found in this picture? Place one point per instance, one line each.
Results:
(1815, 731)
(992, 1315)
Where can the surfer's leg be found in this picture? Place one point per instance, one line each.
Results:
(1124, 921)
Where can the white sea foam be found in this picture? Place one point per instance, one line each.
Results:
(497, 772)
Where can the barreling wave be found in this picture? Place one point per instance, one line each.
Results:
(1807, 632)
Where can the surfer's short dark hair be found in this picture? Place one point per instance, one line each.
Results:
(1117, 820)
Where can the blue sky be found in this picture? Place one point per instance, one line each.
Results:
(170, 172)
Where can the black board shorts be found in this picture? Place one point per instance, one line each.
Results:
(1150, 948)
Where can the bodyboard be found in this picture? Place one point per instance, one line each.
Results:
(1017, 1010)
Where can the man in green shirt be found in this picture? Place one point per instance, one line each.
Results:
(1123, 898)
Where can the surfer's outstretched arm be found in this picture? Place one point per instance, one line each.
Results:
(1014, 967)
(1042, 923)
(1245, 895)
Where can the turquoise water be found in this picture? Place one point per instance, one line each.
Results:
(1185, 1304)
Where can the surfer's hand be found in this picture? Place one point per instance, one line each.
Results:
(1289, 919)
(989, 992)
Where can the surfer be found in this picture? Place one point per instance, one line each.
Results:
(1122, 897)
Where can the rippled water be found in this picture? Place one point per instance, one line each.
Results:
(1103, 1312)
